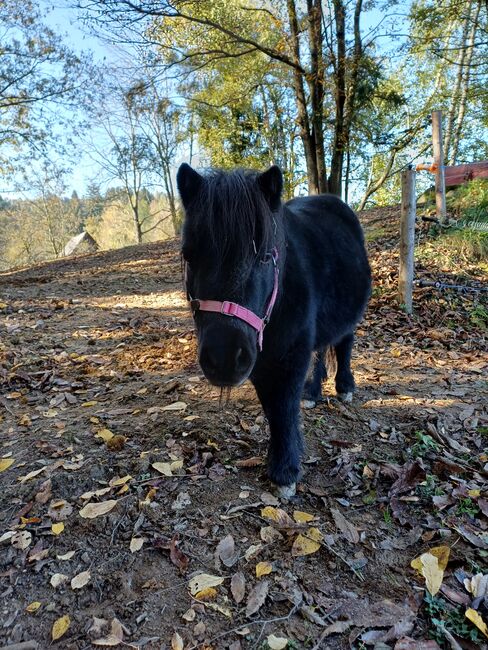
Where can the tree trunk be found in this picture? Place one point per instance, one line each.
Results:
(335, 177)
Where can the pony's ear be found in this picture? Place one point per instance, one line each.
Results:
(271, 184)
(188, 182)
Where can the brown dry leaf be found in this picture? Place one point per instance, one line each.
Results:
(307, 543)
(238, 586)
(475, 617)
(279, 516)
(66, 556)
(263, 569)
(270, 535)
(202, 581)
(115, 637)
(58, 528)
(226, 552)
(257, 597)
(5, 463)
(92, 510)
(189, 615)
(116, 443)
(167, 469)
(86, 496)
(81, 580)
(176, 642)
(440, 552)
(116, 482)
(349, 531)
(60, 627)
(44, 493)
(177, 556)
(254, 461)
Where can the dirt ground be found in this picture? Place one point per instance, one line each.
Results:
(122, 478)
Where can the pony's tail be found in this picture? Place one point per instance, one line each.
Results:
(330, 360)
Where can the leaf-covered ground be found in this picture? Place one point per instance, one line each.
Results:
(135, 510)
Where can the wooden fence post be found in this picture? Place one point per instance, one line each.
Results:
(407, 239)
(440, 181)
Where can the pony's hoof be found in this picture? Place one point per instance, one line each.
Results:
(308, 404)
(345, 397)
(285, 491)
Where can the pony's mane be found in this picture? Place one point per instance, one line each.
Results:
(234, 214)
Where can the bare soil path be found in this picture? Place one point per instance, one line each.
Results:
(102, 402)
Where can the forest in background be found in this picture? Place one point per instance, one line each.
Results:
(338, 93)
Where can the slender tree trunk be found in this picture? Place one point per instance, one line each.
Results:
(306, 135)
(335, 177)
(455, 97)
(463, 100)
(316, 85)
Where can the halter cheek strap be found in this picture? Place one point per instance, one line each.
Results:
(233, 309)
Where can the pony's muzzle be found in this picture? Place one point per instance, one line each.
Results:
(226, 365)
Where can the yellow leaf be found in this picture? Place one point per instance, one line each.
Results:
(440, 552)
(33, 607)
(57, 528)
(278, 515)
(115, 482)
(432, 572)
(124, 488)
(209, 593)
(263, 569)
(104, 434)
(473, 616)
(302, 517)
(60, 627)
(92, 510)
(474, 493)
(92, 403)
(177, 642)
(30, 475)
(5, 463)
(211, 443)
(202, 581)
(307, 543)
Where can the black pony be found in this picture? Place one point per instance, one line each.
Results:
(272, 285)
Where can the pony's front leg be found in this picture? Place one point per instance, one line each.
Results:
(279, 392)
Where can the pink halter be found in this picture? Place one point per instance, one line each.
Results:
(233, 309)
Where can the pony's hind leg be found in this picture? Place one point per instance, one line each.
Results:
(344, 380)
(317, 372)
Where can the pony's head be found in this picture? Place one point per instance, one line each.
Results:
(231, 241)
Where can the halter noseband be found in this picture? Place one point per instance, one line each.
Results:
(233, 309)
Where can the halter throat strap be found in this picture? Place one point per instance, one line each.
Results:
(242, 313)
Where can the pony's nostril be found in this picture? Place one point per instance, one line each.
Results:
(242, 359)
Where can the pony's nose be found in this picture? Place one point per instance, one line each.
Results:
(225, 365)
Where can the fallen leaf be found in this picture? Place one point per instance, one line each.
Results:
(66, 556)
(189, 615)
(116, 443)
(254, 461)
(226, 552)
(104, 434)
(58, 528)
(349, 531)
(263, 569)
(88, 404)
(175, 406)
(81, 580)
(432, 572)
(167, 469)
(58, 579)
(276, 642)
(257, 597)
(92, 510)
(440, 552)
(86, 496)
(279, 516)
(34, 473)
(477, 585)
(475, 617)
(115, 637)
(302, 517)
(33, 607)
(136, 544)
(238, 586)
(307, 543)
(202, 581)
(176, 642)
(60, 627)
(177, 556)
(21, 540)
(116, 482)
(209, 593)
(5, 463)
